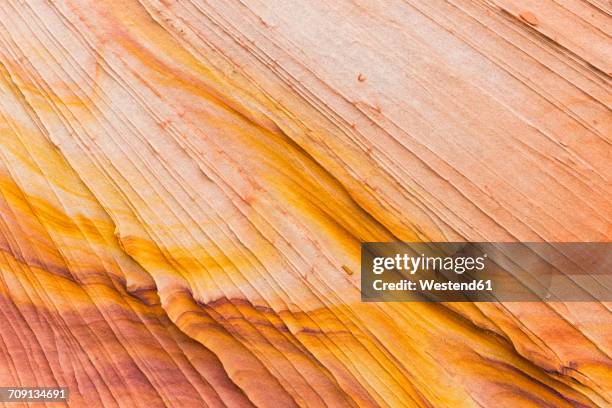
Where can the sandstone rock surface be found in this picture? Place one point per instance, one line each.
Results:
(184, 186)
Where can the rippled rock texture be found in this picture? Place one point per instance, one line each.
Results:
(184, 186)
